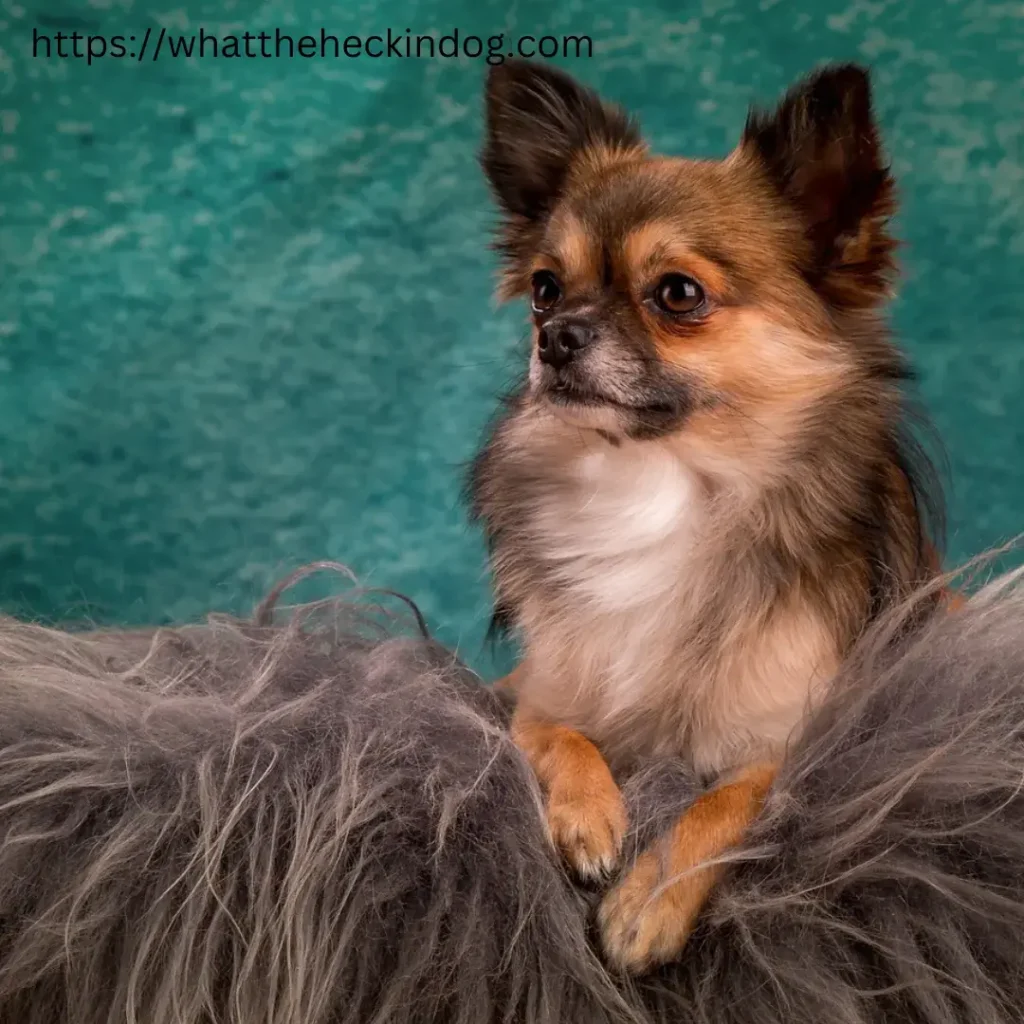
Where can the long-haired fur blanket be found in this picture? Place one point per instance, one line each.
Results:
(311, 820)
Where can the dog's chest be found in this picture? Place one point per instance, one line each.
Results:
(615, 535)
(616, 529)
(611, 632)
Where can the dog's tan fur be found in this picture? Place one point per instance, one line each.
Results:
(586, 814)
(687, 584)
(643, 925)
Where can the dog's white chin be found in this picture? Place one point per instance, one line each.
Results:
(588, 417)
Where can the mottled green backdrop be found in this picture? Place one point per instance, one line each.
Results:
(245, 312)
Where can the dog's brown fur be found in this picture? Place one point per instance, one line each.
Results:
(692, 522)
(641, 929)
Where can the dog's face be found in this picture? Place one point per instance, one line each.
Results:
(681, 297)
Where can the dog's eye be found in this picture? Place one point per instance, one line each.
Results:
(546, 291)
(677, 293)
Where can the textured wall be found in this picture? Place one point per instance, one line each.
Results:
(245, 312)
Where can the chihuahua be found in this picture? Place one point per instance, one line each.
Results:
(706, 486)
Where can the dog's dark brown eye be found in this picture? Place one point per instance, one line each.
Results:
(677, 293)
(546, 291)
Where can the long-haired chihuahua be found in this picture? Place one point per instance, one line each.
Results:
(705, 487)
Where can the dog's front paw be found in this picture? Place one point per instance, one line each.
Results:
(588, 824)
(646, 919)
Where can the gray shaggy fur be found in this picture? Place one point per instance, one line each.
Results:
(316, 820)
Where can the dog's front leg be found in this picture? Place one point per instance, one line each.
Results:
(586, 814)
(646, 919)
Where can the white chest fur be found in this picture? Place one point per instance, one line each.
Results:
(615, 528)
(625, 533)
(618, 525)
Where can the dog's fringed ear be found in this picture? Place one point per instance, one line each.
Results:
(537, 121)
(821, 148)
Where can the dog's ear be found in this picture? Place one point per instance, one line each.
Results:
(538, 119)
(822, 151)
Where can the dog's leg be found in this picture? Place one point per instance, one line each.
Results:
(585, 811)
(647, 918)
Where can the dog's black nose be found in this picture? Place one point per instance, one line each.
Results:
(559, 341)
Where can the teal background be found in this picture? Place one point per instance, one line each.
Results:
(245, 305)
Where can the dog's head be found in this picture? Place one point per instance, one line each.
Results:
(690, 297)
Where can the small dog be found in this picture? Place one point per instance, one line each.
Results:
(706, 487)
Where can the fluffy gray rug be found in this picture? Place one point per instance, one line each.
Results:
(311, 818)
